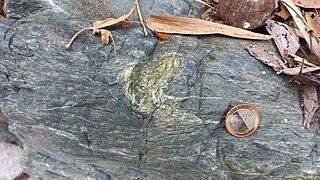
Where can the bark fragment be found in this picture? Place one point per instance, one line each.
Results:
(247, 14)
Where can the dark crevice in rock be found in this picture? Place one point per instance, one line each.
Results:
(223, 165)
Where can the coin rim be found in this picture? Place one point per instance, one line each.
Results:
(232, 111)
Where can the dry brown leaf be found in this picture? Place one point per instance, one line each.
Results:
(315, 28)
(125, 24)
(105, 35)
(270, 59)
(101, 24)
(307, 3)
(310, 102)
(297, 70)
(192, 26)
(285, 38)
(302, 25)
(267, 57)
(112, 21)
(96, 26)
(283, 13)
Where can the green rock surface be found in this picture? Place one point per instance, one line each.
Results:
(154, 111)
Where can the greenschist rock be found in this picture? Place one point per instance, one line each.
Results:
(155, 111)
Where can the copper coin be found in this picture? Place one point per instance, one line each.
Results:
(242, 120)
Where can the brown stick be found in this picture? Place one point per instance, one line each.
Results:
(140, 17)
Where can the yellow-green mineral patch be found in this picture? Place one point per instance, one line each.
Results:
(146, 84)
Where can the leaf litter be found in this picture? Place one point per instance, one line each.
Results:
(163, 26)
(294, 27)
(295, 31)
(98, 27)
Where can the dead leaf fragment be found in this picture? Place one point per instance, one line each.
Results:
(307, 3)
(315, 28)
(302, 25)
(297, 70)
(192, 26)
(267, 57)
(105, 35)
(285, 38)
(310, 102)
(112, 21)
(98, 25)
(270, 59)
(283, 13)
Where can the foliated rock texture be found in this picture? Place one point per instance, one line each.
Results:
(155, 110)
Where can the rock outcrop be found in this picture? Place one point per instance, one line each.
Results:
(154, 111)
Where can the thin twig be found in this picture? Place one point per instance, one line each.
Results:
(140, 17)
(202, 2)
(114, 45)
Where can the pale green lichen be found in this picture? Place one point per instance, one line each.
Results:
(146, 85)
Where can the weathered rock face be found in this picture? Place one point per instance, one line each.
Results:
(153, 111)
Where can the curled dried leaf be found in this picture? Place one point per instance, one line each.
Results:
(267, 57)
(285, 38)
(112, 21)
(283, 13)
(96, 26)
(105, 35)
